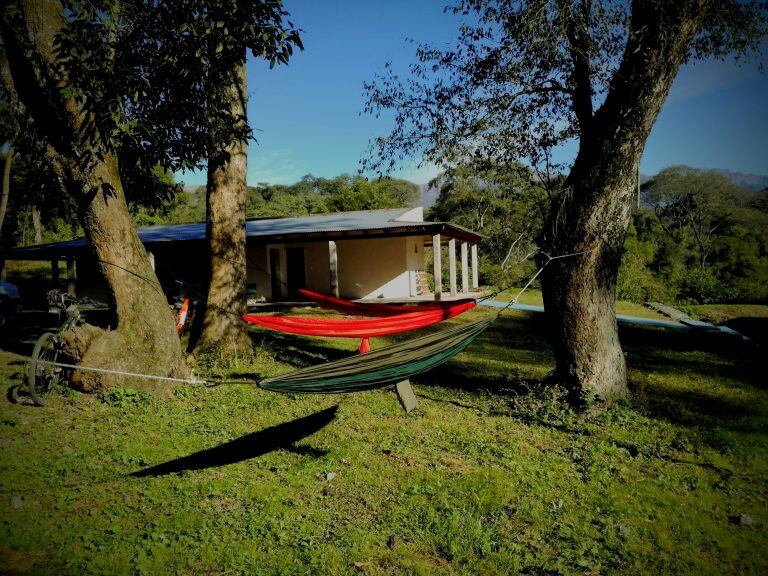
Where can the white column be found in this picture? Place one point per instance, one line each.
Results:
(334, 264)
(437, 266)
(151, 259)
(464, 269)
(475, 282)
(452, 265)
(71, 276)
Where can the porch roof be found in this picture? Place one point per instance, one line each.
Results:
(338, 225)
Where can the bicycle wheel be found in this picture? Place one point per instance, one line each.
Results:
(42, 377)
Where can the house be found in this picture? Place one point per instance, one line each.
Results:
(357, 255)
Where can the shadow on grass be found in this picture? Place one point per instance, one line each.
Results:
(297, 350)
(282, 436)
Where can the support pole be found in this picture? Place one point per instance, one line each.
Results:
(452, 265)
(437, 268)
(475, 282)
(406, 396)
(55, 274)
(71, 276)
(334, 265)
(464, 269)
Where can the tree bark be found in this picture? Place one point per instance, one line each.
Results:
(593, 212)
(145, 338)
(226, 191)
(6, 185)
(37, 225)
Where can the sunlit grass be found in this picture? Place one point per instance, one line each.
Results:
(491, 475)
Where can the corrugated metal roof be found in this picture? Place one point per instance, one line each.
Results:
(337, 222)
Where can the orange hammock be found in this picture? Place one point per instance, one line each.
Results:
(375, 309)
(356, 328)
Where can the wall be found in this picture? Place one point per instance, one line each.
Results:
(379, 267)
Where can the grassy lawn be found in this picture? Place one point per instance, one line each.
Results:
(490, 476)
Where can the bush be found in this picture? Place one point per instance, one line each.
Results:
(637, 283)
(698, 285)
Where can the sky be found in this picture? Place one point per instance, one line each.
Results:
(307, 115)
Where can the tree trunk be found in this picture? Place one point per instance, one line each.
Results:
(6, 186)
(145, 338)
(148, 341)
(594, 209)
(225, 230)
(37, 225)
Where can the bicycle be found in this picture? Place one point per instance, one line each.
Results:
(43, 375)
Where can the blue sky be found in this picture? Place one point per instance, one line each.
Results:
(307, 114)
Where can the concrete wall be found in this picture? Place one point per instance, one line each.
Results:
(379, 267)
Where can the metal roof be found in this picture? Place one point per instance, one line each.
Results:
(363, 223)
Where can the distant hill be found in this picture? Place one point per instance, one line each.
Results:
(748, 182)
(751, 182)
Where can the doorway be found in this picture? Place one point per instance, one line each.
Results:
(296, 270)
(274, 273)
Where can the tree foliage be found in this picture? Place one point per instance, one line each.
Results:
(504, 206)
(523, 78)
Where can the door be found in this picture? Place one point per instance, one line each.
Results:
(295, 268)
(274, 273)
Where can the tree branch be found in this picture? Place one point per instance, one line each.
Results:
(578, 47)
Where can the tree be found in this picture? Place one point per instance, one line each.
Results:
(527, 76)
(196, 103)
(699, 202)
(53, 99)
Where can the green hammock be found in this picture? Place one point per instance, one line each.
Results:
(384, 366)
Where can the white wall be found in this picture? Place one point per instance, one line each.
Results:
(379, 267)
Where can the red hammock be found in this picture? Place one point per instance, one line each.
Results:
(354, 328)
(378, 310)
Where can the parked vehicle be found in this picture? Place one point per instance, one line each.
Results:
(10, 303)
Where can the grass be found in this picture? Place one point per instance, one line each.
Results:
(533, 297)
(492, 475)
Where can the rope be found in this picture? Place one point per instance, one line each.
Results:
(533, 278)
(206, 382)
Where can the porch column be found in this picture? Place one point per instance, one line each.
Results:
(475, 282)
(151, 259)
(71, 276)
(464, 269)
(452, 265)
(55, 274)
(334, 262)
(437, 266)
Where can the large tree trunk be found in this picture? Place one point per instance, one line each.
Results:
(145, 338)
(593, 213)
(225, 230)
(6, 185)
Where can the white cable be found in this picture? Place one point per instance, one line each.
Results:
(108, 371)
